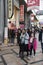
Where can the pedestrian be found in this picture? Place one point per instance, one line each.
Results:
(32, 44)
(26, 41)
(41, 38)
(12, 33)
(19, 40)
(22, 44)
(9, 31)
(12, 36)
(18, 36)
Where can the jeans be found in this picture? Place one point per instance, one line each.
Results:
(26, 49)
(12, 40)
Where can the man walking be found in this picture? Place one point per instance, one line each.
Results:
(41, 38)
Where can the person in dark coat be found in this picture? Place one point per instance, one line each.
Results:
(9, 32)
(41, 38)
(9, 35)
(12, 36)
(18, 36)
(12, 32)
(29, 32)
(18, 40)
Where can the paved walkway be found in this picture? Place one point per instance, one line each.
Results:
(9, 56)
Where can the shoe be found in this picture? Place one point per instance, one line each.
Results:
(18, 56)
(29, 58)
(0, 49)
(33, 56)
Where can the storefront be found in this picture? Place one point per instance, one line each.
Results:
(13, 11)
(16, 13)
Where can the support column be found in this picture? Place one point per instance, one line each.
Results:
(1, 20)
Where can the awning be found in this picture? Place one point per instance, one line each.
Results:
(16, 3)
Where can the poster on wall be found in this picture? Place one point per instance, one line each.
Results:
(21, 13)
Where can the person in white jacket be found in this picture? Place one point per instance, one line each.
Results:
(26, 41)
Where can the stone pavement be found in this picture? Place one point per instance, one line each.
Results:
(9, 56)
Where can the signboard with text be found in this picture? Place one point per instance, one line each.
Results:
(33, 3)
(21, 13)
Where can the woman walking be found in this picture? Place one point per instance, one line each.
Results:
(32, 44)
(19, 40)
(22, 44)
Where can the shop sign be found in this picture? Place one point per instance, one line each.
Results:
(33, 3)
(21, 13)
(9, 8)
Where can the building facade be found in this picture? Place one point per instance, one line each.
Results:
(13, 11)
(3, 19)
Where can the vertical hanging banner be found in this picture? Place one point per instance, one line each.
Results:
(33, 3)
(21, 13)
(10, 11)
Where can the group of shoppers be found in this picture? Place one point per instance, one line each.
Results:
(26, 39)
(27, 42)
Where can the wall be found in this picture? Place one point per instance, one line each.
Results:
(16, 13)
(17, 19)
(16, 16)
(26, 21)
(5, 12)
